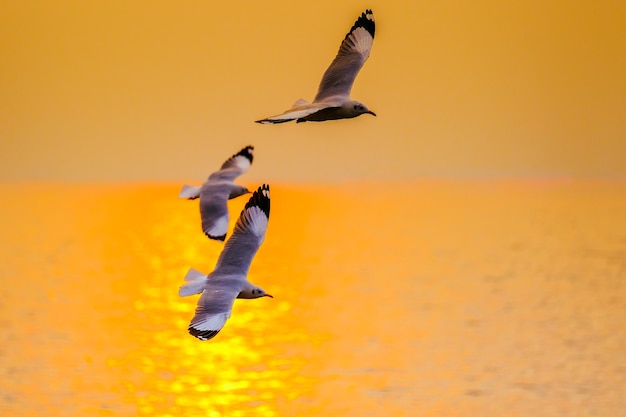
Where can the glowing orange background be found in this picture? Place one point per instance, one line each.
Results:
(165, 90)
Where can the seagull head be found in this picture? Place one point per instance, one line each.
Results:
(254, 292)
(357, 108)
(238, 190)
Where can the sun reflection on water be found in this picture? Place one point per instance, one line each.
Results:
(242, 371)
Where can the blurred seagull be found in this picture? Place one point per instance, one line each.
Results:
(333, 96)
(216, 190)
(229, 278)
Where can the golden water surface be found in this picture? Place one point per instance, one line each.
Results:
(418, 299)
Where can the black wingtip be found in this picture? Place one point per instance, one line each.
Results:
(247, 152)
(221, 238)
(272, 122)
(261, 199)
(202, 334)
(365, 21)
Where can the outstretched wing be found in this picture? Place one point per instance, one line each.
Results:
(247, 236)
(296, 112)
(353, 52)
(235, 165)
(214, 307)
(214, 209)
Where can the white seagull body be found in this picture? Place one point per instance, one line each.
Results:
(217, 190)
(333, 96)
(229, 278)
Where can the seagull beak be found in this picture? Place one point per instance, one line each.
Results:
(371, 112)
(269, 295)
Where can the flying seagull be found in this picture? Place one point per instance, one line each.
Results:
(229, 278)
(216, 190)
(333, 96)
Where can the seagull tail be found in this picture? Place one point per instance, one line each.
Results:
(194, 283)
(190, 192)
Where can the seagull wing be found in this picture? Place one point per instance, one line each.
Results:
(353, 52)
(235, 165)
(214, 209)
(214, 308)
(247, 236)
(294, 113)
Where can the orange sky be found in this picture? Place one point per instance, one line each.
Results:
(118, 91)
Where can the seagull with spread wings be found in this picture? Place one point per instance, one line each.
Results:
(229, 278)
(217, 190)
(333, 96)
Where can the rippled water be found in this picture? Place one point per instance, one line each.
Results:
(429, 299)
